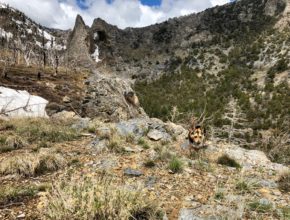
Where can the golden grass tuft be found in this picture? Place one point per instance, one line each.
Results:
(97, 198)
(32, 164)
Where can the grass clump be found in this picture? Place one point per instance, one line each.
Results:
(175, 165)
(97, 198)
(244, 186)
(9, 194)
(286, 212)
(260, 207)
(284, 182)
(9, 143)
(149, 163)
(227, 161)
(45, 130)
(32, 164)
(143, 143)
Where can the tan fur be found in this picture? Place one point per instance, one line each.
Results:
(196, 136)
(132, 98)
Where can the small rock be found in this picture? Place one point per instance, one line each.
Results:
(151, 180)
(99, 145)
(103, 132)
(188, 214)
(129, 149)
(268, 184)
(81, 124)
(66, 99)
(131, 172)
(264, 201)
(21, 216)
(157, 135)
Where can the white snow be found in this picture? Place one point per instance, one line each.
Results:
(29, 31)
(38, 44)
(17, 22)
(59, 47)
(5, 34)
(2, 5)
(18, 103)
(96, 54)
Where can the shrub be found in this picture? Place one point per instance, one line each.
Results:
(88, 198)
(227, 161)
(284, 182)
(30, 164)
(175, 165)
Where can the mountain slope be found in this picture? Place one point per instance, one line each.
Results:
(237, 53)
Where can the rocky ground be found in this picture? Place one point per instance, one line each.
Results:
(222, 181)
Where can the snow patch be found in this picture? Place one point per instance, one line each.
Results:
(19, 103)
(5, 34)
(2, 5)
(96, 54)
(29, 31)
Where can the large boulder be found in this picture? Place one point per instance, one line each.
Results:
(18, 103)
(248, 159)
(105, 99)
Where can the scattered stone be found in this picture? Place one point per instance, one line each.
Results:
(99, 145)
(150, 181)
(66, 99)
(21, 216)
(136, 127)
(157, 135)
(264, 201)
(129, 149)
(65, 115)
(188, 214)
(103, 132)
(131, 172)
(268, 183)
(81, 124)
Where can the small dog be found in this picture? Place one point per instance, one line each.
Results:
(132, 98)
(196, 136)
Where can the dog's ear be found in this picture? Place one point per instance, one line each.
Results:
(192, 125)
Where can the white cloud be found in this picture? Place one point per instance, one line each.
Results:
(123, 13)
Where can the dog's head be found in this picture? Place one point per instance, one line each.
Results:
(196, 134)
(132, 98)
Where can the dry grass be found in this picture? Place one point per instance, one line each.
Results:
(32, 130)
(12, 142)
(97, 198)
(10, 194)
(32, 164)
(284, 182)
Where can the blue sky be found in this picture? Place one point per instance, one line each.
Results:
(151, 2)
(123, 13)
(82, 3)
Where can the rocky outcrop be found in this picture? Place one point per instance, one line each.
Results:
(79, 45)
(248, 159)
(105, 99)
(16, 103)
